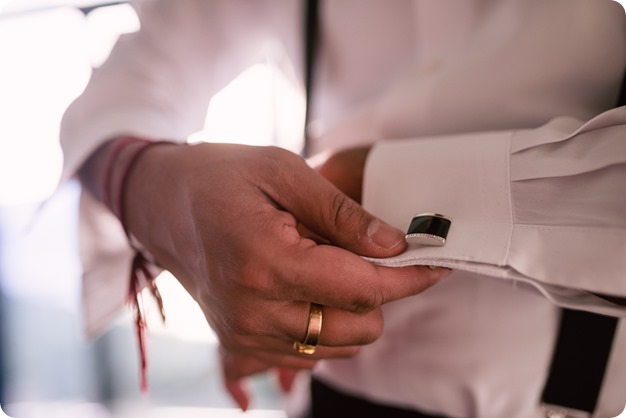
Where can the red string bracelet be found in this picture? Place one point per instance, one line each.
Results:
(140, 265)
(117, 147)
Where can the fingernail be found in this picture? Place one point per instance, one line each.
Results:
(437, 268)
(384, 235)
(439, 272)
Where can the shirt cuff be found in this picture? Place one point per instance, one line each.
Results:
(467, 178)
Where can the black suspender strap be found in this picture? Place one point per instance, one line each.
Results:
(581, 355)
(311, 35)
(578, 364)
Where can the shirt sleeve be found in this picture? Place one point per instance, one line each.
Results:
(544, 206)
(157, 83)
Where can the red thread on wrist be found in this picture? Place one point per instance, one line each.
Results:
(140, 265)
(117, 145)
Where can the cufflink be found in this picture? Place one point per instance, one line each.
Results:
(428, 229)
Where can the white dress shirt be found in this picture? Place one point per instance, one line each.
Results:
(494, 113)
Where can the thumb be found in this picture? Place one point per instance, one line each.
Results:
(325, 210)
(353, 228)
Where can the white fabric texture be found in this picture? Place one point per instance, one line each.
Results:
(548, 232)
(495, 113)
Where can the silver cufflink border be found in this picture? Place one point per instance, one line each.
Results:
(428, 229)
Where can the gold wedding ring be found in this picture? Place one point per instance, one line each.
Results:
(314, 328)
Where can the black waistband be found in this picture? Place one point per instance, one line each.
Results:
(327, 402)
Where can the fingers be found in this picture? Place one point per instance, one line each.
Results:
(239, 394)
(286, 266)
(236, 367)
(329, 213)
(286, 378)
(233, 370)
(341, 333)
(346, 224)
(334, 277)
(346, 285)
(276, 331)
(267, 348)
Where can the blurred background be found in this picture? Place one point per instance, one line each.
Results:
(48, 49)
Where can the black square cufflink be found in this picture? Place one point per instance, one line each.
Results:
(429, 229)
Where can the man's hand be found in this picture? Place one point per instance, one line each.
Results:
(225, 220)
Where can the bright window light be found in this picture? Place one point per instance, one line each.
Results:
(32, 100)
(260, 107)
(104, 27)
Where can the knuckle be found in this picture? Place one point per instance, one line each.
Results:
(282, 226)
(344, 212)
(369, 298)
(255, 279)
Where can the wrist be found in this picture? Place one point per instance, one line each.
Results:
(122, 157)
(144, 188)
(107, 172)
